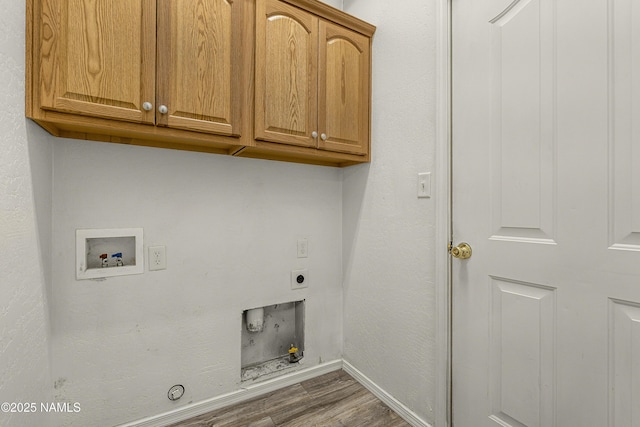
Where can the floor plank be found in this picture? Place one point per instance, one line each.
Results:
(331, 400)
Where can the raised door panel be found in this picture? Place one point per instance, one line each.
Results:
(522, 353)
(624, 126)
(98, 57)
(522, 118)
(624, 364)
(286, 74)
(199, 64)
(344, 86)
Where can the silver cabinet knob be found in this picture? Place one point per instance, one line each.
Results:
(323, 136)
(163, 109)
(147, 106)
(314, 134)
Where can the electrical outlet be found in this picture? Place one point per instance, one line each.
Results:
(299, 279)
(303, 248)
(157, 258)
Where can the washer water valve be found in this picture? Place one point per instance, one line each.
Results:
(118, 258)
(293, 354)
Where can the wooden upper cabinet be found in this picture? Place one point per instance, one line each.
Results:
(343, 90)
(312, 79)
(98, 57)
(173, 63)
(273, 79)
(286, 74)
(199, 64)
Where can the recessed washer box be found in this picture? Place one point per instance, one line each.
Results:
(108, 252)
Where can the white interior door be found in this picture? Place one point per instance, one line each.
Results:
(546, 190)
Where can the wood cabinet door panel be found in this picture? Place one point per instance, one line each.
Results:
(286, 74)
(199, 64)
(98, 57)
(344, 86)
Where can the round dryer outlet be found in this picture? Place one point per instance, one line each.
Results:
(299, 279)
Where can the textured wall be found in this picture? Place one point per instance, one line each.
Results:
(334, 3)
(25, 233)
(230, 227)
(388, 232)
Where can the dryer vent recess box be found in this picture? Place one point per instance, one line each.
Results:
(104, 253)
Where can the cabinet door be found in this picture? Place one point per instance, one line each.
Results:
(199, 64)
(98, 57)
(343, 90)
(286, 74)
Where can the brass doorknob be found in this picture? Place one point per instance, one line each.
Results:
(462, 251)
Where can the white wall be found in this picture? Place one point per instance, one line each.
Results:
(25, 233)
(335, 3)
(388, 232)
(230, 227)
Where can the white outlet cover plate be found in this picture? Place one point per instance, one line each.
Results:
(157, 258)
(303, 248)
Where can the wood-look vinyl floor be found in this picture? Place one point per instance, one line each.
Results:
(331, 400)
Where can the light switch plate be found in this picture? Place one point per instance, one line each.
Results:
(424, 185)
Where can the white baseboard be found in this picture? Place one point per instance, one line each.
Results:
(246, 393)
(408, 415)
(258, 389)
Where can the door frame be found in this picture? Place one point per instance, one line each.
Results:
(443, 217)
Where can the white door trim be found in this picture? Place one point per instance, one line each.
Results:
(443, 213)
